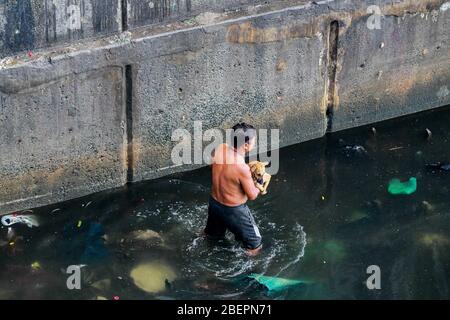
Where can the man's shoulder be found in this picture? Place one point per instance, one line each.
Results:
(242, 168)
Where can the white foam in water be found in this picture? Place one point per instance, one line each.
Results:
(301, 251)
(227, 260)
(232, 261)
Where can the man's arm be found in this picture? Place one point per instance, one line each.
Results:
(246, 180)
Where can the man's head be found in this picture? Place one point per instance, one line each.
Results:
(244, 137)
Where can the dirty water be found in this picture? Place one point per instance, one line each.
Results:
(328, 216)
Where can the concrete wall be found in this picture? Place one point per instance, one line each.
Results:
(32, 24)
(35, 24)
(399, 69)
(146, 12)
(94, 115)
(62, 139)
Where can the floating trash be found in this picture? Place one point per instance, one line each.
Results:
(430, 239)
(102, 285)
(439, 166)
(352, 148)
(356, 148)
(36, 265)
(145, 235)
(396, 187)
(275, 283)
(84, 244)
(357, 215)
(86, 205)
(152, 277)
(428, 206)
(11, 219)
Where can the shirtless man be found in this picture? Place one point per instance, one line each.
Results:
(232, 186)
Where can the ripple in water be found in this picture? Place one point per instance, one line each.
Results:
(226, 260)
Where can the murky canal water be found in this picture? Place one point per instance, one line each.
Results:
(327, 217)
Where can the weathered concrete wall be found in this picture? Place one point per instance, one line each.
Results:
(31, 24)
(73, 121)
(145, 12)
(34, 24)
(401, 68)
(62, 139)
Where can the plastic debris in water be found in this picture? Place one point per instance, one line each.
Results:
(30, 220)
(36, 265)
(152, 276)
(86, 205)
(116, 298)
(357, 215)
(433, 239)
(397, 187)
(79, 224)
(275, 283)
(352, 148)
(10, 234)
(439, 166)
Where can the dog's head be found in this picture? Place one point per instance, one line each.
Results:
(258, 169)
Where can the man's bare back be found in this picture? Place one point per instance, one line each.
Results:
(232, 183)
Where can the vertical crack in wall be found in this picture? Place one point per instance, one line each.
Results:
(328, 164)
(129, 121)
(333, 41)
(124, 6)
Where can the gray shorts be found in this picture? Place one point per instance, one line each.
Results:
(238, 220)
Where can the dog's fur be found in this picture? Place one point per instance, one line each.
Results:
(260, 177)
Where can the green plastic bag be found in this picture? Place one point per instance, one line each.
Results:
(275, 283)
(397, 187)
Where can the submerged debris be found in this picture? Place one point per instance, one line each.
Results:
(396, 187)
(439, 166)
(428, 206)
(153, 276)
(275, 283)
(352, 148)
(432, 239)
(102, 285)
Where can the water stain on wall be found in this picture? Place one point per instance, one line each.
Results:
(20, 25)
(247, 33)
(104, 13)
(152, 11)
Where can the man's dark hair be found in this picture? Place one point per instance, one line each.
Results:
(242, 134)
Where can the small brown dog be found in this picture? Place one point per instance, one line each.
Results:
(259, 175)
